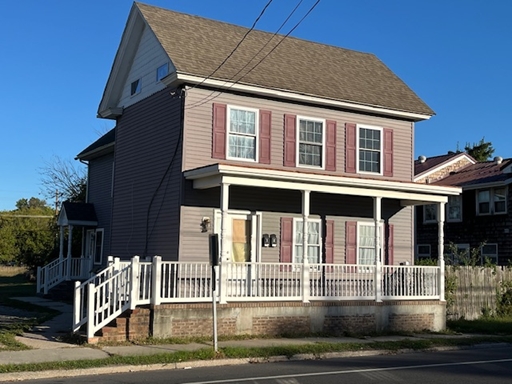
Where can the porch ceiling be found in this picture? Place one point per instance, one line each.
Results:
(408, 193)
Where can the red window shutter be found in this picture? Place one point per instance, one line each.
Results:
(329, 241)
(388, 152)
(350, 148)
(219, 131)
(350, 242)
(290, 130)
(391, 246)
(330, 146)
(264, 135)
(285, 256)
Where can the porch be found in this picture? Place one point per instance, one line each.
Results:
(125, 285)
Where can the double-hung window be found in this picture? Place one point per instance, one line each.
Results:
(454, 208)
(430, 213)
(242, 134)
(489, 252)
(314, 240)
(369, 152)
(311, 134)
(491, 201)
(366, 244)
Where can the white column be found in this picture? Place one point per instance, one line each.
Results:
(440, 250)
(70, 241)
(305, 266)
(61, 244)
(224, 244)
(377, 216)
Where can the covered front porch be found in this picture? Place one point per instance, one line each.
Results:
(69, 266)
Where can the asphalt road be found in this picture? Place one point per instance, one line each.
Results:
(490, 365)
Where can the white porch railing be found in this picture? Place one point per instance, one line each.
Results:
(59, 270)
(126, 284)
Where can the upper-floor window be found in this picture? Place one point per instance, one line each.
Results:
(369, 149)
(314, 241)
(430, 213)
(242, 134)
(162, 71)
(311, 142)
(454, 208)
(491, 201)
(135, 87)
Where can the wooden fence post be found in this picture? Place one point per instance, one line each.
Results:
(134, 281)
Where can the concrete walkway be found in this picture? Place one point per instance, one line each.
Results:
(47, 346)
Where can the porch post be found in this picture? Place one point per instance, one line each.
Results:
(305, 233)
(70, 240)
(224, 252)
(440, 251)
(62, 272)
(377, 215)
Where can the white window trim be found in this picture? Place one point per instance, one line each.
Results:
(158, 68)
(368, 224)
(491, 202)
(447, 210)
(297, 142)
(320, 238)
(495, 256)
(425, 221)
(358, 127)
(256, 133)
(423, 255)
(139, 87)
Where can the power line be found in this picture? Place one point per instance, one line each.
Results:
(206, 98)
(264, 57)
(236, 47)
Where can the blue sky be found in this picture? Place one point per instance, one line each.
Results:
(55, 57)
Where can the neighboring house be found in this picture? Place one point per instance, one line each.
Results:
(479, 216)
(285, 132)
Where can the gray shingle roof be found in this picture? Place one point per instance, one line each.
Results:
(197, 46)
(100, 147)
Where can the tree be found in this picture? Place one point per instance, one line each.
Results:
(65, 179)
(28, 233)
(481, 151)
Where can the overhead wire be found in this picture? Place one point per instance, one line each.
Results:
(237, 46)
(200, 102)
(263, 58)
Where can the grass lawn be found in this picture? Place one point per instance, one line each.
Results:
(484, 326)
(14, 283)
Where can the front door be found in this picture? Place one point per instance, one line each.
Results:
(241, 231)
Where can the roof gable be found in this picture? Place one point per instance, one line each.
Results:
(437, 167)
(196, 46)
(80, 214)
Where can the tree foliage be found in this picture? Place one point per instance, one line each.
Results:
(481, 151)
(66, 179)
(28, 233)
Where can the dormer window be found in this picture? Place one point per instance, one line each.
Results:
(162, 71)
(135, 88)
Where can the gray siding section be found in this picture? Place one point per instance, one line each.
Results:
(100, 194)
(147, 179)
(198, 133)
(275, 204)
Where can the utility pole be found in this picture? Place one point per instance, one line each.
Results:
(56, 202)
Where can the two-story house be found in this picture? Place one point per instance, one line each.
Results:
(477, 220)
(294, 152)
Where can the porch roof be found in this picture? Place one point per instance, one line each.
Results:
(409, 193)
(79, 214)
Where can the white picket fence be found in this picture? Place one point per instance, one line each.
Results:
(59, 270)
(125, 285)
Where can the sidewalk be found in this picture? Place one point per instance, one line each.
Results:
(46, 347)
